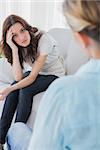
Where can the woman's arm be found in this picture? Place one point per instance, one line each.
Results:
(37, 66)
(17, 70)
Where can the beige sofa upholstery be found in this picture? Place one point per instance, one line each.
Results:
(73, 56)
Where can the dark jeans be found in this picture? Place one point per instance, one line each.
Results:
(21, 101)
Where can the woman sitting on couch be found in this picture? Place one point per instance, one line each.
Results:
(35, 53)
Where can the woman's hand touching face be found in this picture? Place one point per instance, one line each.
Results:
(9, 39)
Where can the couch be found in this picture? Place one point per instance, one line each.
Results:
(73, 54)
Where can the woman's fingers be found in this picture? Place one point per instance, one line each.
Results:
(9, 34)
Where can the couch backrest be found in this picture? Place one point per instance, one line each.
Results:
(70, 48)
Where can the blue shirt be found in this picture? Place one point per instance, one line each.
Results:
(69, 113)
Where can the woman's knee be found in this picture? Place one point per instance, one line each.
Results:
(26, 93)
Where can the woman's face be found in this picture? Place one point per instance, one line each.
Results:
(20, 35)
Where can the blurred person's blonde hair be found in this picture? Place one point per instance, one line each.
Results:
(84, 16)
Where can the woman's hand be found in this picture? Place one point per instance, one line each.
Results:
(16, 66)
(9, 40)
(4, 93)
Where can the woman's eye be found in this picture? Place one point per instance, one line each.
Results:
(23, 30)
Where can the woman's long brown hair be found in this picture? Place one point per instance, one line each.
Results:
(31, 48)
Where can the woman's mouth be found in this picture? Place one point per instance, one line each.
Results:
(24, 41)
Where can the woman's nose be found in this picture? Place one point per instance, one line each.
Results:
(21, 37)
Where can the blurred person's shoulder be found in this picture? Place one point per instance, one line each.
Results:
(66, 83)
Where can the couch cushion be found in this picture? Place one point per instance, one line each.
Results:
(73, 53)
(6, 74)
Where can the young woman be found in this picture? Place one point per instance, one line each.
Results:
(36, 63)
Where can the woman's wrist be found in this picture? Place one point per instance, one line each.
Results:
(13, 87)
(10, 88)
(15, 50)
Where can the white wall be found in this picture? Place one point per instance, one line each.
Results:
(44, 14)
